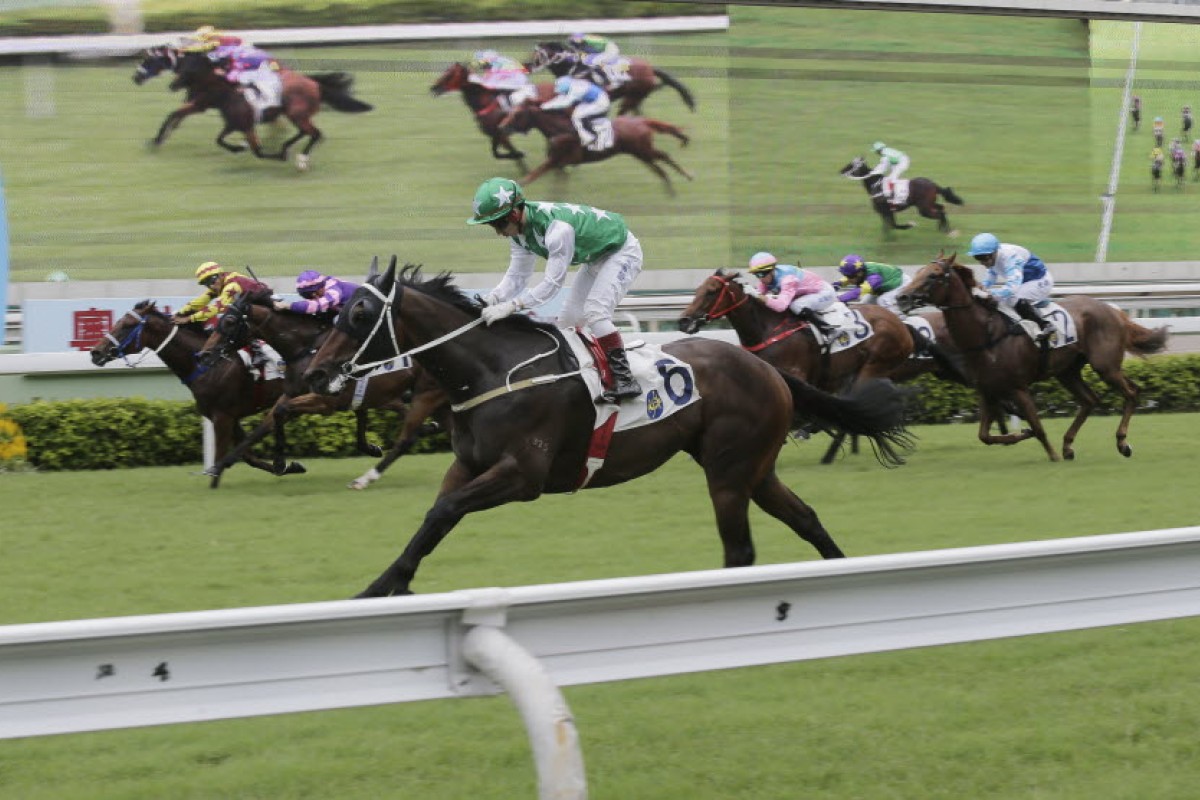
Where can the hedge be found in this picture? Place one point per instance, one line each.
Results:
(108, 433)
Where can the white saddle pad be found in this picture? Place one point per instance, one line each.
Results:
(605, 136)
(668, 384)
(852, 327)
(1065, 332)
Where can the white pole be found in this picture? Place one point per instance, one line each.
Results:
(1109, 198)
(548, 720)
(210, 442)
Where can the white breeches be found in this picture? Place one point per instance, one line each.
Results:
(596, 108)
(817, 302)
(888, 299)
(598, 288)
(898, 170)
(1033, 291)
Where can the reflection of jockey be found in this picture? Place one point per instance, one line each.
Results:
(870, 282)
(788, 287)
(208, 38)
(590, 103)
(892, 164)
(500, 73)
(249, 66)
(1016, 278)
(598, 53)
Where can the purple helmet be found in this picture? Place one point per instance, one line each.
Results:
(309, 281)
(851, 264)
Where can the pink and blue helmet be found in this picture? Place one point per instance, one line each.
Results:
(762, 262)
(309, 281)
(851, 264)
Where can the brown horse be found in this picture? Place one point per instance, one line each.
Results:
(523, 419)
(1004, 361)
(643, 78)
(631, 135)
(486, 108)
(783, 340)
(303, 96)
(296, 337)
(224, 393)
(922, 195)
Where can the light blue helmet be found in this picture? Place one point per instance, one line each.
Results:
(878, 147)
(563, 84)
(984, 244)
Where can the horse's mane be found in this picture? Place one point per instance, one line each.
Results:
(443, 288)
(149, 306)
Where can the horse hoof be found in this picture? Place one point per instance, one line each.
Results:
(302, 162)
(953, 234)
(295, 468)
(358, 484)
(1068, 455)
(374, 451)
(1125, 450)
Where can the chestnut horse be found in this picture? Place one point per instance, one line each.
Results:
(1003, 361)
(524, 418)
(485, 107)
(296, 337)
(644, 79)
(224, 393)
(631, 136)
(783, 340)
(303, 96)
(922, 195)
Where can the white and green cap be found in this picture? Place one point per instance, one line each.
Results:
(494, 198)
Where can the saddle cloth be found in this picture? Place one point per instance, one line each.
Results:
(924, 330)
(668, 384)
(1065, 332)
(360, 384)
(898, 193)
(852, 328)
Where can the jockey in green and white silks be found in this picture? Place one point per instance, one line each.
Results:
(609, 255)
(892, 164)
(1016, 278)
(587, 101)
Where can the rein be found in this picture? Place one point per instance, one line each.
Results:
(136, 334)
(715, 312)
(754, 348)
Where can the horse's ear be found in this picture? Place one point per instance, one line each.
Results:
(392, 264)
(954, 257)
(388, 279)
(374, 270)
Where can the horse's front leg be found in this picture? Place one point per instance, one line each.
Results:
(233, 148)
(428, 403)
(172, 122)
(504, 482)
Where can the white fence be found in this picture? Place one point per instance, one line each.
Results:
(86, 675)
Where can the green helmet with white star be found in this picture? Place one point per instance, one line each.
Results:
(494, 198)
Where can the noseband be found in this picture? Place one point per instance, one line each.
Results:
(726, 294)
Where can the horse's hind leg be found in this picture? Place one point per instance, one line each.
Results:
(1115, 377)
(657, 170)
(425, 404)
(773, 497)
(233, 148)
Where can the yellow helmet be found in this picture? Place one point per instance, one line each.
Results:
(207, 270)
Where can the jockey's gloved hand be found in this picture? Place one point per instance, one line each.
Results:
(499, 311)
(485, 300)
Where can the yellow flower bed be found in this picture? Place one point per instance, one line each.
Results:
(12, 441)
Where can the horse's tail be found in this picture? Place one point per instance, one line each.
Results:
(873, 408)
(688, 100)
(659, 126)
(951, 197)
(335, 90)
(1142, 341)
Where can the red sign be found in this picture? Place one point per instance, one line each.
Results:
(90, 327)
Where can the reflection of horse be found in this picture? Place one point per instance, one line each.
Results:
(783, 340)
(1178, 167)
(1195, 163)
(295, 337)
(485, 107)
(1004, 361)
(631, 135)
(643, 78)
(922, 195)
(224, 394)
(517, 437)
(302, 98)
(165, 59)
(1156, 167)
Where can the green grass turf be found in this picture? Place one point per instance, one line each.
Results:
(1010, 112)
(1108, 713)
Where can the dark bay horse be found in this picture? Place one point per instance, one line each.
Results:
(302, 96)
(224, 393)
(296, 337)
(1179, 167)
(783, 340)
(1003, 361)
(485, 107)
(631, 136)
(922, 195)
(155, 61)
(516, 438)
(644, 79)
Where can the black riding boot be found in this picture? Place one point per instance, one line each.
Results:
(818, 322)
(1027, 311)
(625, 386)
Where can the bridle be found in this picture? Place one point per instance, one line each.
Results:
(134, 338)
(725, 294)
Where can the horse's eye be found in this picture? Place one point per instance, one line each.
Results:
(358, 314)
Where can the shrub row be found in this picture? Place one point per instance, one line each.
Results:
(107, 433)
